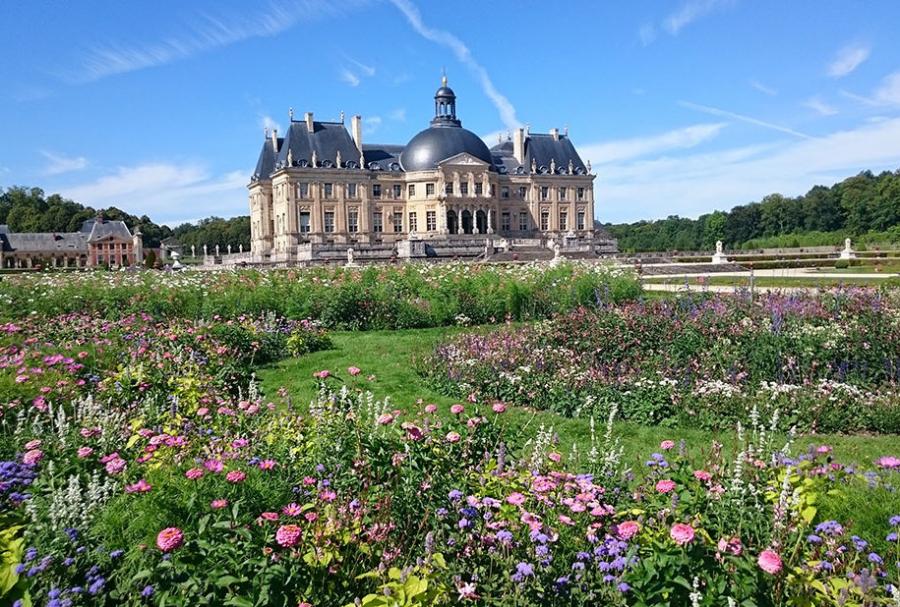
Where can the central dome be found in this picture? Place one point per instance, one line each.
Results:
(437, 143)
(444, 139)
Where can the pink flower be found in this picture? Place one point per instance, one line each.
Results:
(141, 486)
(323, 374)
(554, 456)
(115, 466)
(292, 509)
(84, 452)
(430, 409)
(666, 445)
(203, 411)
(194, 473)
(665, 485)
(889, 462)
(823, 449)
(769, 561)
(32, 457)
(218, 504)
(498, 408)
(681, 533)
(453, 437)
(169, 539)
(269, 516)
(33, 444)
(457, 409)
(288, 535)
(235, 476)
(628, 529)
(354, 371)
(702, 475)
(516, 499)
(731, 545)
(385, 419)
(311, 517)
(305, 604)
(214, 465)
(267, 464)
(21, 379)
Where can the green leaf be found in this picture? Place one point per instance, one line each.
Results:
(239, 601)
(227, 580)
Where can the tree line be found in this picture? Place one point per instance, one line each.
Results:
(865, 207)
(31, 210)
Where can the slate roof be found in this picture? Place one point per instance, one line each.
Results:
(327, 139)
(382, 157)
(44, 242)
(543, 148)
(109, 229)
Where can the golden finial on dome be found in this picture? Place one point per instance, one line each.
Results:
(443, 77)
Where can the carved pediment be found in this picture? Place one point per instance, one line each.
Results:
(464, 159)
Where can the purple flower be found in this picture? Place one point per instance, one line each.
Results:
(147, 591)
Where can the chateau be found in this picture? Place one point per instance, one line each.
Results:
(99, 242)
(320, 190)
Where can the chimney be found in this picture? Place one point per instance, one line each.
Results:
(356, 131)
(275, 140)
(555, 134)
(519, 145)
(309, 122)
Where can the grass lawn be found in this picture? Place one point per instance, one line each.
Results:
(391, 356)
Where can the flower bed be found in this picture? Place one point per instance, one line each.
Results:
(413, 295)
(827, 364)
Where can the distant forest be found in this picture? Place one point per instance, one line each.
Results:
(30, 210)
(865, 207)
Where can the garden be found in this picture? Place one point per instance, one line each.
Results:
(460, 435)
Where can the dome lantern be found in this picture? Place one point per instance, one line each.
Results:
(445, 106)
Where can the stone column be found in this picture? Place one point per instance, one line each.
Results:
(490, 225)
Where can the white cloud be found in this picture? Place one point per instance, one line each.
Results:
(647, 34)
(371, 124)
(210, 32)
(698, 183)
(689, 12)
(820, 107)
(713, 111)
(267, 122)
(762, 88)
(464, 55)
(60, 163)
(398, 115)
(366, 70)
(638, 147)
(168, 193)
(848, 59)
(349, 77)
(888, 92)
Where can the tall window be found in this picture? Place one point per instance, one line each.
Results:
(302, 191)
(429, 189)
(523, 192)
(353, 221)
(431, 221)
(351, 190)
(329, 221)
(545, 192)
(563, 220)
(580, 219)
(448, 188)
(411, 190)
(413, 223)
(504, 221)
(377, 222)
(523, 221)
(545, 220)
(304, 222)
(464, 188)
(376, 190)
(504, 192)
(562, 193)
(579, 193)
(398, 191)
(329, 190)
(398, 222)
(479, 187)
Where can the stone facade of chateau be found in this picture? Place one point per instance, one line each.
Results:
(320, 188)
(99, 242)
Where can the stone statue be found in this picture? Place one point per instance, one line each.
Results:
(555, 250)
(193, 251)
(719, 256)
(315, 159)
(719, 247)
(229, 249)
(217, 250)
(362, 161)
(847, 252)
(176, 265)
(847, 244)
(589, 166)
(571, 167)
(351, 263)
(290, 159)
(337, 159)
(204, 251)
(533, 165)
(553, 166)
(241, 248)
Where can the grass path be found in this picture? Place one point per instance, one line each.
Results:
(391, 356)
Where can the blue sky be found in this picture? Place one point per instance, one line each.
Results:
(682, 107)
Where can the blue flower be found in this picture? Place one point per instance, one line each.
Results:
(895, 520)
(147, 591)
(454, 495)
(812, 538)
(623, 587)
(891, 537)
(874, 558)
